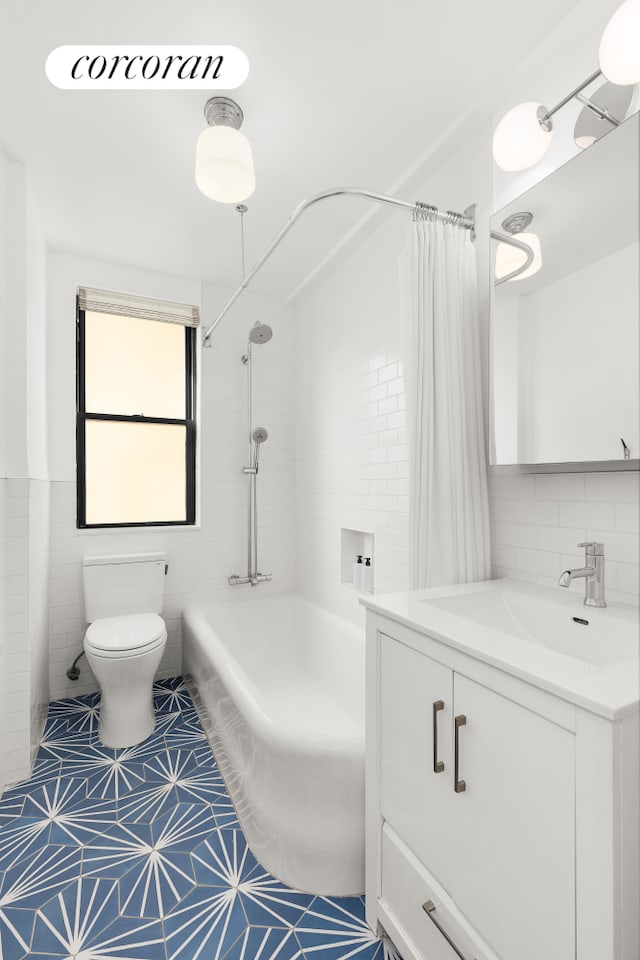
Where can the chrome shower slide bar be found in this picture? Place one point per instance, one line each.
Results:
(466, 220)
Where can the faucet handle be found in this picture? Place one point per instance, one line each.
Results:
(592, 548)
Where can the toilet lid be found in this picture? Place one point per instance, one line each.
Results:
(125, 634)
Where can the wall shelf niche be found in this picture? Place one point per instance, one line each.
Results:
(354, 543)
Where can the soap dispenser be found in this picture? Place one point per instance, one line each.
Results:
(367, 576)
(357, 572)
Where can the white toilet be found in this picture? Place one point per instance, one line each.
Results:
(125, 640)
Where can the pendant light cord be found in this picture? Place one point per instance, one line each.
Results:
(242, 209)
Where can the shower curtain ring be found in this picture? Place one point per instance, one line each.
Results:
(424, 211)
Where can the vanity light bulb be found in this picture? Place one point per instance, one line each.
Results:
(519, 141)
(619, 52)
(509, 258)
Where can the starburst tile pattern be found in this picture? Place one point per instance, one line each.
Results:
(137, 854)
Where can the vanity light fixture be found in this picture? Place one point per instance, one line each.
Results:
(614, 101)
(224, 162)
(516, 249)
(521, 139)
(619, 52)
(523, 136)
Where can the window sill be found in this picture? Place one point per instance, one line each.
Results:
(152, 528)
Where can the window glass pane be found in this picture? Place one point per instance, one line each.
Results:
(134, 367)
(135, 472)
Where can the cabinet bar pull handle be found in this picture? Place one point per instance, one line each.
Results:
(459, 785)
(438, 765)
(429, 908)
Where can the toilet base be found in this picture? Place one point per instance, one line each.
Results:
(124, 723)
(127, 715)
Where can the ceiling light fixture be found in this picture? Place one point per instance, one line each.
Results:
(514, 251)
(524, 134)
(224, 162)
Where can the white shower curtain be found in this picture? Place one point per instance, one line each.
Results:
(449, 538)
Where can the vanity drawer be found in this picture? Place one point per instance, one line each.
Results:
(405, 887)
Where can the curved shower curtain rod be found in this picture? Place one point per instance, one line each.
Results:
(466, 220)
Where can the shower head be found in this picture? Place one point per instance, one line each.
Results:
(259, 435)
(260, 332)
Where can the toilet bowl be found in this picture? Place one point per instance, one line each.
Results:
(125, 640)
(124, 653)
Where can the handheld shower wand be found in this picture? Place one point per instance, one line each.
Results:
(258, 436)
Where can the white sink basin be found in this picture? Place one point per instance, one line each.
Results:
(533, 632)
(598, 636)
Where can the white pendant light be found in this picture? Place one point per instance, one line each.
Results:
(224, 162)
(510, 258)
(520, 140)
(619, 52)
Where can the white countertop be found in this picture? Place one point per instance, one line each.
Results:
(529, 631)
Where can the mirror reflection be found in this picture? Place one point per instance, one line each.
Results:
(565, 311)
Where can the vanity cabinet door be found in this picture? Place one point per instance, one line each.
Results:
(514, 826)
(502, 846)
(416, 693)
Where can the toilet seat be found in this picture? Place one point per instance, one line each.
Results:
(125, 636)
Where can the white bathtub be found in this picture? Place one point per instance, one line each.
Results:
(283, 683)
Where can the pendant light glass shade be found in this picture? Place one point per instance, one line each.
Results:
(519, 141)
(224, 165)
(619, 52)
(509, 258)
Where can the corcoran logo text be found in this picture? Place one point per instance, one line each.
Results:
(129, 67)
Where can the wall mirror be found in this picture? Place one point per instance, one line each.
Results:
(564, 332)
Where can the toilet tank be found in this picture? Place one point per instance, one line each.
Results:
(120, 585)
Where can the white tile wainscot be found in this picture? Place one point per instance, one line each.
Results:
(502, 777)
(538, 520)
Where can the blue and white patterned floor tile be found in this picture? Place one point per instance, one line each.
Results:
(84, 921)
(334, 928)
(171, 695)
(137, 854)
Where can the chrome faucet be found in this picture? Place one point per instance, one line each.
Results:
(593, 573)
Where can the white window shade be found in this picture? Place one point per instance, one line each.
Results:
(144, 308)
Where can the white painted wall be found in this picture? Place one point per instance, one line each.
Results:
(24, 504)
(15, 406)
(200, 560)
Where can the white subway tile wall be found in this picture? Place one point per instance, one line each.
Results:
(537, 522)
(3, 642)
(352, 466)
(17, 703)
(39, 531)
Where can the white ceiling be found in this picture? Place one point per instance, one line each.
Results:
(340, 93)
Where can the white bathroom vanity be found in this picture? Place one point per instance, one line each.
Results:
(503, 736)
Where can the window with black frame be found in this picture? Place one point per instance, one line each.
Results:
(136, 399)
